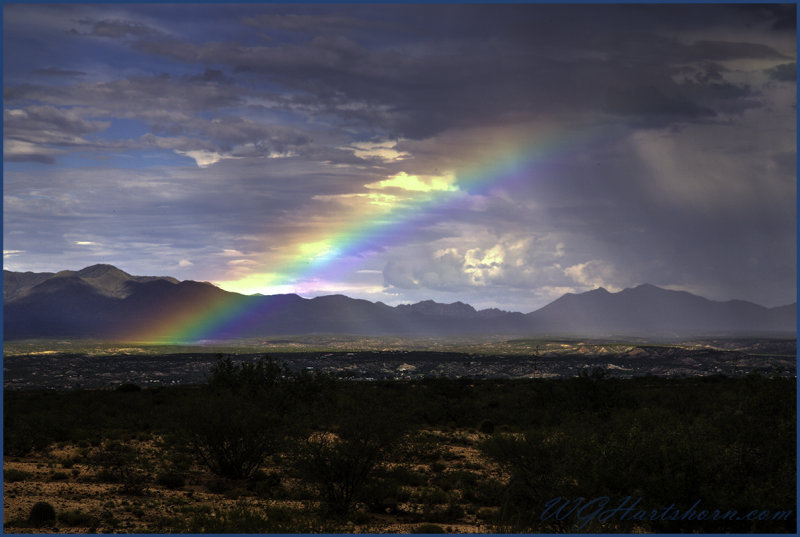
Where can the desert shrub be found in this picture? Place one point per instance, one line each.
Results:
(266, 489)
(59, 476)
(170, 480)
(405, 477)
(682, 443)
(261, 475)
(244, 416)
(420, 447)
(242, 518)
(486, 427)
(20, 438)
(233, 437)
(457, 479)
(534, 464)
(428, 528)
(107, 517)
(340, 461)
(382, 493)
(41, 513)
(484, 492)
(487, 513)
(432, 496)
(451, 513)
(219, 486)
(174, 459)
(265, 484)
(13, 475)
(121, 463)
(76, 517)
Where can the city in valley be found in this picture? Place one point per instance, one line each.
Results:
(74, 365)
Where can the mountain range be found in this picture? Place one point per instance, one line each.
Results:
(103, 301)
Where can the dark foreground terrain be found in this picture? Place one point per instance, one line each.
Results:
(258, 448)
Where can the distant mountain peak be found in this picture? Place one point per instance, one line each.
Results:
(100, 299)
(648, 287)
(101, 269)
(431, 307)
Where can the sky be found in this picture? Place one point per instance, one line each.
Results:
(498, 155)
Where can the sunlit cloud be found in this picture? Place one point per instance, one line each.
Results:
(593, 274)
(242, 262)
(316, 250)
(202, 157)
(262, 282)
(356, 200)
(18, 150)
(417, 183)
(384, 151)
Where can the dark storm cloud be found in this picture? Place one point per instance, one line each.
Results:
(682, 172)
(449, 80)
(785, 72)
(129, 95)
(513, 66)
(32, 134)
(647, 101)
(115, 28)
(231, 131)
(47, 123)
(311, 24)
(708, 83)
(780, 17)
(212, 75)
(57, 72)
(725, 50)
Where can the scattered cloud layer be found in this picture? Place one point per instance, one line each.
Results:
(496, 154)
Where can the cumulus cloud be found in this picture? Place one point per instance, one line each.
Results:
(203, 158)
(480, 260)
(404, 181)
(18, 151)
(135, 96)
(384, 151)
(48, 125)
(592, 274)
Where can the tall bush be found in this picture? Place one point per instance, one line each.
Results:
(341, 460)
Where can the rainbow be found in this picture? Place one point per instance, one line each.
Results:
(509, 163)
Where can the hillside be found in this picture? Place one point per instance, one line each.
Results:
(104, 302)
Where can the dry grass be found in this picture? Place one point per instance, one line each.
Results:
(64, 477)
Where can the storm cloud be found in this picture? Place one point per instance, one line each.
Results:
(573, 146)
